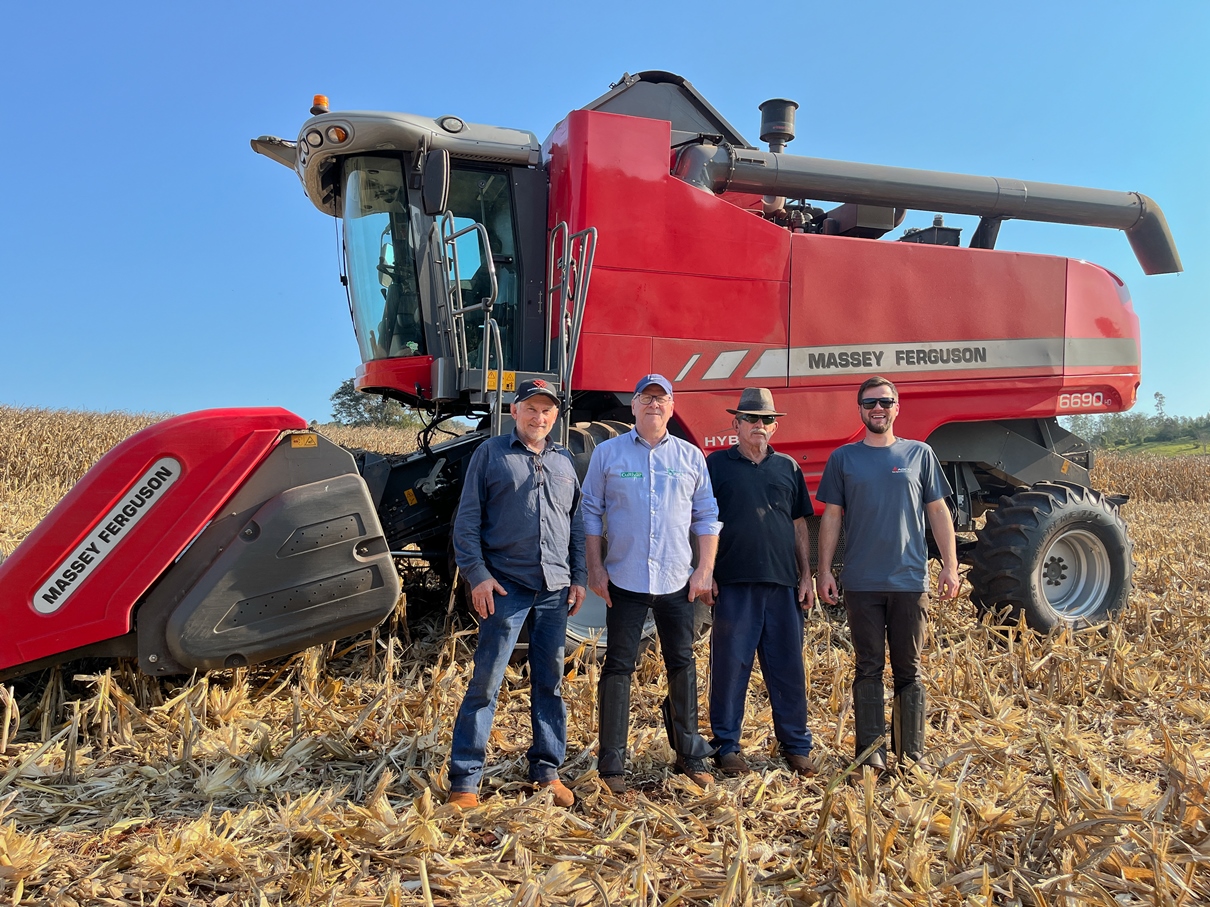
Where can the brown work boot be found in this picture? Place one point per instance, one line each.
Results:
(463, 799)
(696, 769)
(615, 783)
(802, 765)
(563, 795)
(732, 764)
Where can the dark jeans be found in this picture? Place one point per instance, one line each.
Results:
(880, 621)
(624, 622)
(758, 620)
(545, 614)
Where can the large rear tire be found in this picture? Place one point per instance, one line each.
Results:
(1057, 553)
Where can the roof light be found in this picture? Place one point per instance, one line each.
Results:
(337, 134)
(314, 139)
(319, 105)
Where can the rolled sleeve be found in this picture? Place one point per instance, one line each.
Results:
(592, 498)
(705, 507)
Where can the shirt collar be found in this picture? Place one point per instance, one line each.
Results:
(638, 439)
(734, 454)
(550, 445)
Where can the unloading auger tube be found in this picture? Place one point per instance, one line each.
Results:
(725, 168)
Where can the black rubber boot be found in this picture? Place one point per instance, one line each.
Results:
(907, 723)
(869, 718)
(680, 715)
(613, 698)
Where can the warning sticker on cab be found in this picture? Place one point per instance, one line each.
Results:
(306, 439)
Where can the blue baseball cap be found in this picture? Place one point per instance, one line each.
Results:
(648, 380)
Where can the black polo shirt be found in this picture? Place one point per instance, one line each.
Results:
(758, 504)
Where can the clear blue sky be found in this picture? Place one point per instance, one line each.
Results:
(150, 261)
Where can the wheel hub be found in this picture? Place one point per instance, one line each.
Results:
(1074, 573)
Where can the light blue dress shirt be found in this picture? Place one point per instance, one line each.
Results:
(646, 500)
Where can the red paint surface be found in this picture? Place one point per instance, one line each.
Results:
(217, 449)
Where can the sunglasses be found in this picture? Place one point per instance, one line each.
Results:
(753, 419)
(871, 402)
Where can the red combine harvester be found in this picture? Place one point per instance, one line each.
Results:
(468, 253)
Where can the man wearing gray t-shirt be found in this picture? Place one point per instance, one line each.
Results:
(884, 488)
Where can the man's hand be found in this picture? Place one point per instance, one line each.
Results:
(598, 582)
(948, 583)
(482, 597)
(701, 585)
(826, 584)
(806, 592)
(575, 598)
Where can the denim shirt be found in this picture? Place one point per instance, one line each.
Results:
(519, 517)
(651, 497)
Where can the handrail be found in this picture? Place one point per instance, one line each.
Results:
(569, 259)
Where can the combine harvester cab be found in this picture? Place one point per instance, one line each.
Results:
(211, 540)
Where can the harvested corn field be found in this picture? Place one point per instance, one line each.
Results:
(1061, 771)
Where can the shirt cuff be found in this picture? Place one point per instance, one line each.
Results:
(707, 527)
(477, 574)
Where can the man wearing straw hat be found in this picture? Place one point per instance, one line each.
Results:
(884, 489)
(652, 489)
(519, 541)
(762, 578)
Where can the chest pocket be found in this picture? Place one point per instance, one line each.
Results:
(562, 491)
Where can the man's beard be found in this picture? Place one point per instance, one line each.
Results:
(878, 428)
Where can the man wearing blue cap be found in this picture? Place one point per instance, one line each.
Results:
(651, 489)
(519, 541)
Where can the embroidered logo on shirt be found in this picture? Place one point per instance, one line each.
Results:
(632, 475)
(674, 472)
(905, 470)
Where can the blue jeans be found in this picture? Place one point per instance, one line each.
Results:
(545, 615)
(758, 620)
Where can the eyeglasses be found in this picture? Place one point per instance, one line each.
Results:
(538, 472)
(871, 402)
(753, 418)
(648, 399)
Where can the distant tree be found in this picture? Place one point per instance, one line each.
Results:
(351, 407)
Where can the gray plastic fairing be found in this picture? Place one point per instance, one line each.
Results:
(295, 559)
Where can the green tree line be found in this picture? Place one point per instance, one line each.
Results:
(1109, 430)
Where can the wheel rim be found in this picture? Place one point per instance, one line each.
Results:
(1074, 573)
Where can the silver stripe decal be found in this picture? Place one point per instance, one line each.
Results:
(688, 365)
(771, 364)
(1087, 352)
(724, 364)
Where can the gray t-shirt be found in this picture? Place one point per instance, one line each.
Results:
(883, 491)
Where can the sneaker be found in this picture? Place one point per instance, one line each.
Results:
(615, 783)
(802, 765)
(563, 795)
(463, 799)
(697, 770)
(732, 764)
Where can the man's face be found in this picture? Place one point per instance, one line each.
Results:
(879, 419)
(652, 416)
(535, 418)
(754, 434)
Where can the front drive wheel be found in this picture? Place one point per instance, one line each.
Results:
(1057, 553)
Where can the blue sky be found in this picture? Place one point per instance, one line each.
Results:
(150, 261)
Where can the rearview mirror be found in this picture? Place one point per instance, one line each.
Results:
(435, 188)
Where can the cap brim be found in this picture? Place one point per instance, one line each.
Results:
(753, 412)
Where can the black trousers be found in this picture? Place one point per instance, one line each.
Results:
(882, 621)
(624, 622)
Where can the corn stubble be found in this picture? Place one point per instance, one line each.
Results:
(1068, 770)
